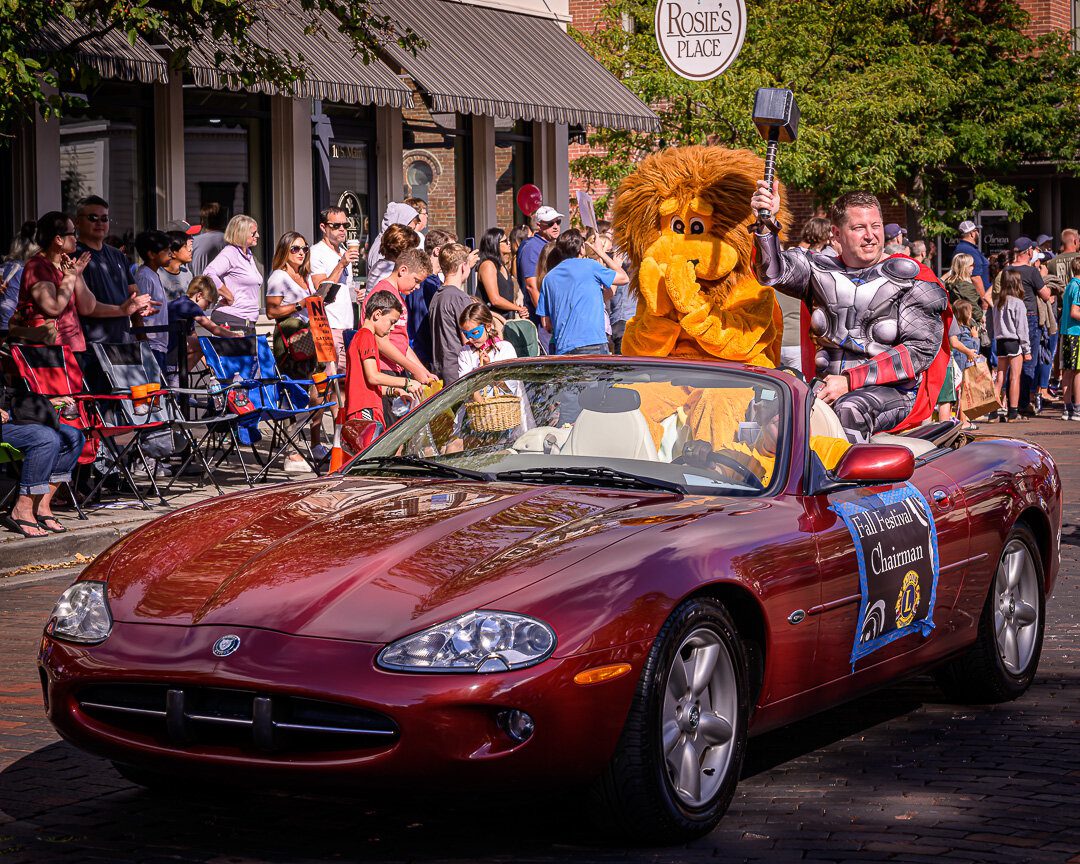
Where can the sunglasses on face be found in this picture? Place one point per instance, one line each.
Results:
(334, 226)
(504, 240)
(93, 217)
(67, 233)
(475, 333)
(552, 222)
(296, 250)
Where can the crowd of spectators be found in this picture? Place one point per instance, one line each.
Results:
(422, 309)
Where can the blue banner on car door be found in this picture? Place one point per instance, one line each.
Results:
(897, 553)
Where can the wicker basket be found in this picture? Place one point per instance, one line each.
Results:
(496, 413)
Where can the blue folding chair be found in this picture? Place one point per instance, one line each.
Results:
(283, 402)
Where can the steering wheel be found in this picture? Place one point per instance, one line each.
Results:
(735, 465)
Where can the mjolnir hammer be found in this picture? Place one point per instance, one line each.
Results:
(777, 119)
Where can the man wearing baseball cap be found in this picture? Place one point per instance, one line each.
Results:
(183, 226)
(980, 274)
(548, 224)
(1024, 250)
(895, 233)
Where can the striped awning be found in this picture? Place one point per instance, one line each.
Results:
(110, 54)
(332, 70)
(481, 60)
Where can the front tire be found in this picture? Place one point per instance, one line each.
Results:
(678, 760)
(1002, 663)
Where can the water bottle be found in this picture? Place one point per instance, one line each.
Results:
(217, 400)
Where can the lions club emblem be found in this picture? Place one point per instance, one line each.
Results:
(227, 645)
(908, 599)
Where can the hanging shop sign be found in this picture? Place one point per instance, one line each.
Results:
(699, 39)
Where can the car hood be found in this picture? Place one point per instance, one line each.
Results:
(367, 559)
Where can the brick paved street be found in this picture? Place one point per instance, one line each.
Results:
(898, 776)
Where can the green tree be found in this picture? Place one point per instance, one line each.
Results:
(936, 100)
(30, 75)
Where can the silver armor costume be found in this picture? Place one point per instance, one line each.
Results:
(880, 326)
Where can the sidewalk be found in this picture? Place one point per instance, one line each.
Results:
(107, 522)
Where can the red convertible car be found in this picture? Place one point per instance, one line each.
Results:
(602, 571)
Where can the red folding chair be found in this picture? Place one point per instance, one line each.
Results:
(52, 371)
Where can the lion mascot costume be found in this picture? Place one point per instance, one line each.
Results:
(683, 218)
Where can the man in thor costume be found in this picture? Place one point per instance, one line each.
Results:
(878, 321)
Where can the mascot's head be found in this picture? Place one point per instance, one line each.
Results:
(694, 202)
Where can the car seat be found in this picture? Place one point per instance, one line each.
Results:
(610, 425)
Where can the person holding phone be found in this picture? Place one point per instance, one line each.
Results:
(493, 274)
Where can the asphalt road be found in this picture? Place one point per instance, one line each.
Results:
(897, 776)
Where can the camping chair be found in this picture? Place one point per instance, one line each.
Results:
(279, 400)
(521, 333)
(9, 457)
(132, 364)
(51, 371)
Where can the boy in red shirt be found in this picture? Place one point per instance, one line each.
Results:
(363, 379)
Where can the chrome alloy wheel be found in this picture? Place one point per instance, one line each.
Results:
(1016, 607)
(700, 708)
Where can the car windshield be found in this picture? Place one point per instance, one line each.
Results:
(620, 424)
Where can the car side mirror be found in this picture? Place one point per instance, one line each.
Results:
(875, 463)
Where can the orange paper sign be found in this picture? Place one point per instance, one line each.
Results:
(320, 329)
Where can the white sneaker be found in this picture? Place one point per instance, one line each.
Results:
(296, 466)
(320, 452)
(160, 469)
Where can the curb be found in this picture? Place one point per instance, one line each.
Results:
(62, 547)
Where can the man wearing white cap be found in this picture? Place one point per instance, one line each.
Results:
(980, 274)
(548, 224)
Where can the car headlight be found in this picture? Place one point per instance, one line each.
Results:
(481, 641)
(81, 614)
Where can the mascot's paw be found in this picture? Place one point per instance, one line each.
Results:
(650, 336)
(650, 277)
(682, 285)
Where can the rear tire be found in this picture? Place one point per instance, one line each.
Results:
(1002, 663)
(681, 751)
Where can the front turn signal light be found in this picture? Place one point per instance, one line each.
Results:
(602, 673)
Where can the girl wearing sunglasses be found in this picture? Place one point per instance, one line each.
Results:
(483, 339)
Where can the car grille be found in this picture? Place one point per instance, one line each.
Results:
(243, 719)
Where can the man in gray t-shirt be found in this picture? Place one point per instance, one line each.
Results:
(211, 239)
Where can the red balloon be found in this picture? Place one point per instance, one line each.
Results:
(529, 199)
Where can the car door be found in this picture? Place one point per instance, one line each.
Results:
(842, 618)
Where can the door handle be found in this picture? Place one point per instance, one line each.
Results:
(941, 498)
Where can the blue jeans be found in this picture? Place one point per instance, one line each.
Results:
(48, 456)
(1048, 368)
(1032, 369)
(588, 349)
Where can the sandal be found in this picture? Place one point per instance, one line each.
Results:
(59, 529)
(969, 426)
(19, 526)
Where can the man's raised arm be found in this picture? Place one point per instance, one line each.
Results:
(787, 272)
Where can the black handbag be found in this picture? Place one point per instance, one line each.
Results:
(33, 409)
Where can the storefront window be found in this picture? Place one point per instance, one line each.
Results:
(513, 168)
(437, 167)
(225, 154)
(343, 142)
(105, 149)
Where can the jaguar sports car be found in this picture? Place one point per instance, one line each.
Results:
(604, 572)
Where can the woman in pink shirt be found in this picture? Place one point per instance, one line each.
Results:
(236, 276)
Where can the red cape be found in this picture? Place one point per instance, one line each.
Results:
(932, 379)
